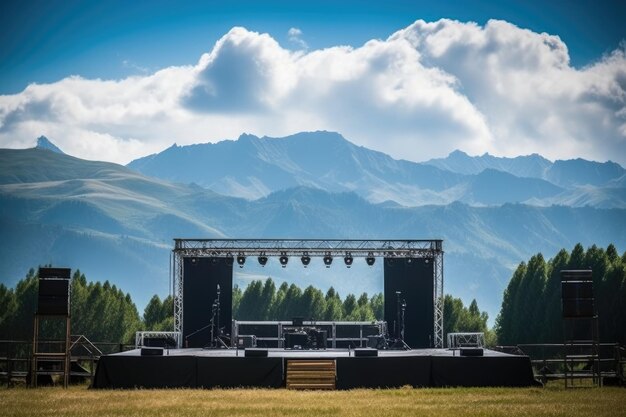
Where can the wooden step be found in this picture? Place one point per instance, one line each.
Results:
(311, 374)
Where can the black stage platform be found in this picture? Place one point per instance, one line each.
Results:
(198, 368)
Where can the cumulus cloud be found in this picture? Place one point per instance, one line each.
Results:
(426, 90)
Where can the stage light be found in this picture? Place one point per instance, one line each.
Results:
(328, 260)
(348, 260)
(370, 259)
(283, 259)
(306, 259)
(409, 261)
(194, 260)
(262, 260)
(241, 260)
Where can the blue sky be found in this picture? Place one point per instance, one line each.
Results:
(543, 77)
(44, 41)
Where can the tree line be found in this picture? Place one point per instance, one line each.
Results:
(104, 313)
(262, 301)
(531, 306)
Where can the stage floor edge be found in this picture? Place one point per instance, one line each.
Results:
(200, 368)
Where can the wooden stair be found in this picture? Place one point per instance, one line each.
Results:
(311, 374)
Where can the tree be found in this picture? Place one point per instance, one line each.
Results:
(531, 307)
(506, 323)
(349, 305)
(8, 307)
(313, 303)
(377, 304)
(334, 307)
(237, 294)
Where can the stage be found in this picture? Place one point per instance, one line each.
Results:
(229, 368)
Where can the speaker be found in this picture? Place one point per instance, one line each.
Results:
(376, 342)
(297, 321)
(365, 352)
(318, 338)
(255, 353)
(53, 298)
(577, 289)
(201, 276)
(297, 340)
(62, 273)
(576, 275)
(246, 341)
(151, 351)
(578, 308)
(468, 351)
(415, 280)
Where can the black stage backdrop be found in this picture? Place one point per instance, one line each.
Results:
(200, 279)
(413, 277)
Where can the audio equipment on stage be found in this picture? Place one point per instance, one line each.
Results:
(151, 351)
(365, 352)
(246, 341)
(467, 351)
(255, 353)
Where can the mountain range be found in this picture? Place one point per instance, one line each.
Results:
(253, 167)
(117, 223)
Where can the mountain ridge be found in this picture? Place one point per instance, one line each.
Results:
(252, 167)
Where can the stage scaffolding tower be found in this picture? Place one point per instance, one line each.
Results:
(398, 249)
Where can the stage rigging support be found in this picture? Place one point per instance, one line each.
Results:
(295, 248)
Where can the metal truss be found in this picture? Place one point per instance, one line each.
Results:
(459, 340)
(141, 336)
(433, 249)
(438, 299)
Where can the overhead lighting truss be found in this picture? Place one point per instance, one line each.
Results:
(262, 249)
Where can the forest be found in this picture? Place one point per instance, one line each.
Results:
(530, 312)
(104, 313)
(531, 306)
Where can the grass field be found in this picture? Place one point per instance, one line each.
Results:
(80, 401)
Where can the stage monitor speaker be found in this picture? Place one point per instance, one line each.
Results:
(468, 351)
(201, 276)
(415, 280)
(578, 308)
(365, 352)
(151, 351)
(255, 353)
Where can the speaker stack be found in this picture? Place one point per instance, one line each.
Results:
(54, 292)
(577, 294)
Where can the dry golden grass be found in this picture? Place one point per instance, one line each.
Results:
(80, 401)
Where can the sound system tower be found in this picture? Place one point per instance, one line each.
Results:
(201, 276)
(577, 294)
(54, 292)
(580, 329)
(414, 278)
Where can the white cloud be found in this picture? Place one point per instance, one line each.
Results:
(295, 37)
(426, 90)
